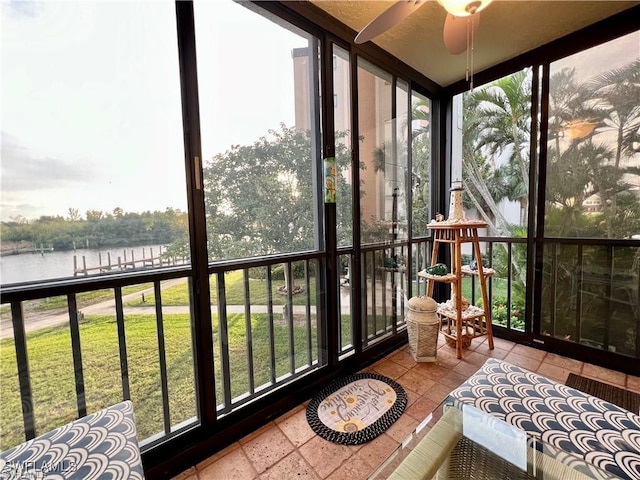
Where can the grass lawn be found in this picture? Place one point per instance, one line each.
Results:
(234, 290)
(52, 377)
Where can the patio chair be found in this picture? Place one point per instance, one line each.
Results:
(100, 445)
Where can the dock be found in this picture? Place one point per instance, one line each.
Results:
(126, 262)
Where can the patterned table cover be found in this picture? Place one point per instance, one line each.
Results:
(102, 445)
(599, 432)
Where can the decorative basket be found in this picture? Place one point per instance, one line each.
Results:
(423, 326)
(450, 337)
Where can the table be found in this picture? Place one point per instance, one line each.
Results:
(597, 431)
(506, 422)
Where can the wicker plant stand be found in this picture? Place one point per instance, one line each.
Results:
(460, 325)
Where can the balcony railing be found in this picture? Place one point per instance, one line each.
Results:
(72, 347)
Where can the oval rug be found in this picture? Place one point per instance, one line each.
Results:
(357, 408)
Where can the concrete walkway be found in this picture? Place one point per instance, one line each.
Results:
(36, 321)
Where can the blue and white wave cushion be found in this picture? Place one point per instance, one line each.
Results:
(99, 446)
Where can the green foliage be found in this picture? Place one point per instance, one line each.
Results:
(500, 311)
(260, 198)
(100, 229)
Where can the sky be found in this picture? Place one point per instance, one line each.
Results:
(90, 99)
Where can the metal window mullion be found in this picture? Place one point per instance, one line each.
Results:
(162, 358)
(122, 344)
(339, 304)
(554, 285)
(578, 328)
(24, 377)
(292, 344)
(608, 293)
(249, 331)
(307, 285)
(490, 292)
(364, 297)
(509, 272)
(271, 333)
(223, 336)
(383, 273)
(76, 352)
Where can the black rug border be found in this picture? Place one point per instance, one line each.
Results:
(366, 434)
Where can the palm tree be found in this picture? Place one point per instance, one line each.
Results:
(504, 107)
(420, 162)
(616, 95)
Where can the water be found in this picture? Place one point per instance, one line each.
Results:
(28, 267)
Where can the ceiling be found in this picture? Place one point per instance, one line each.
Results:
(507, 29)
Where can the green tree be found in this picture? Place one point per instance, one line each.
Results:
(260, 198)
(504, 107)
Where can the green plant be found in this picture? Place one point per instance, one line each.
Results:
(500, 312)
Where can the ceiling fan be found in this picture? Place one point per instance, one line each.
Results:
(457, 29)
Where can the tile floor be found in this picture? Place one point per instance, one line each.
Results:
(287, 448)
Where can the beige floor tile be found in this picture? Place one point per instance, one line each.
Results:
(431, 370)
(389, 369)
(527, 363)
(235, 465)
(217, 455)
(453, 380)
(421, 408)
(403, 358)
(526, 351)
(378, 449)
(296, 428)
(402, 427)
(438, 392)
(267, 449)
(354, 468)
(498, 353)
(413, 380)
(633, 383)
(474, 357)
(466, 369)
(291, 466)
(500, 343)
(411, 396)
(324, 456)
(553, 372)
(604, 374)
(570, 364)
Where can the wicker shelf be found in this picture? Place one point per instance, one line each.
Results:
(437, 278)
(458, 325)
(446, 309)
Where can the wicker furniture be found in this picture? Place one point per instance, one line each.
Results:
(422, 328)
(530, 427)
(460, 323)
(598, 432)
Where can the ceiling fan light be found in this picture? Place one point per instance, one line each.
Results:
(464, 8)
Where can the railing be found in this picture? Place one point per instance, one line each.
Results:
(506, 289)
(591, 293)
(72, 347)
(75, 346)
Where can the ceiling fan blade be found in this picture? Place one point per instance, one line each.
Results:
(455, 32)
(387, 19)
